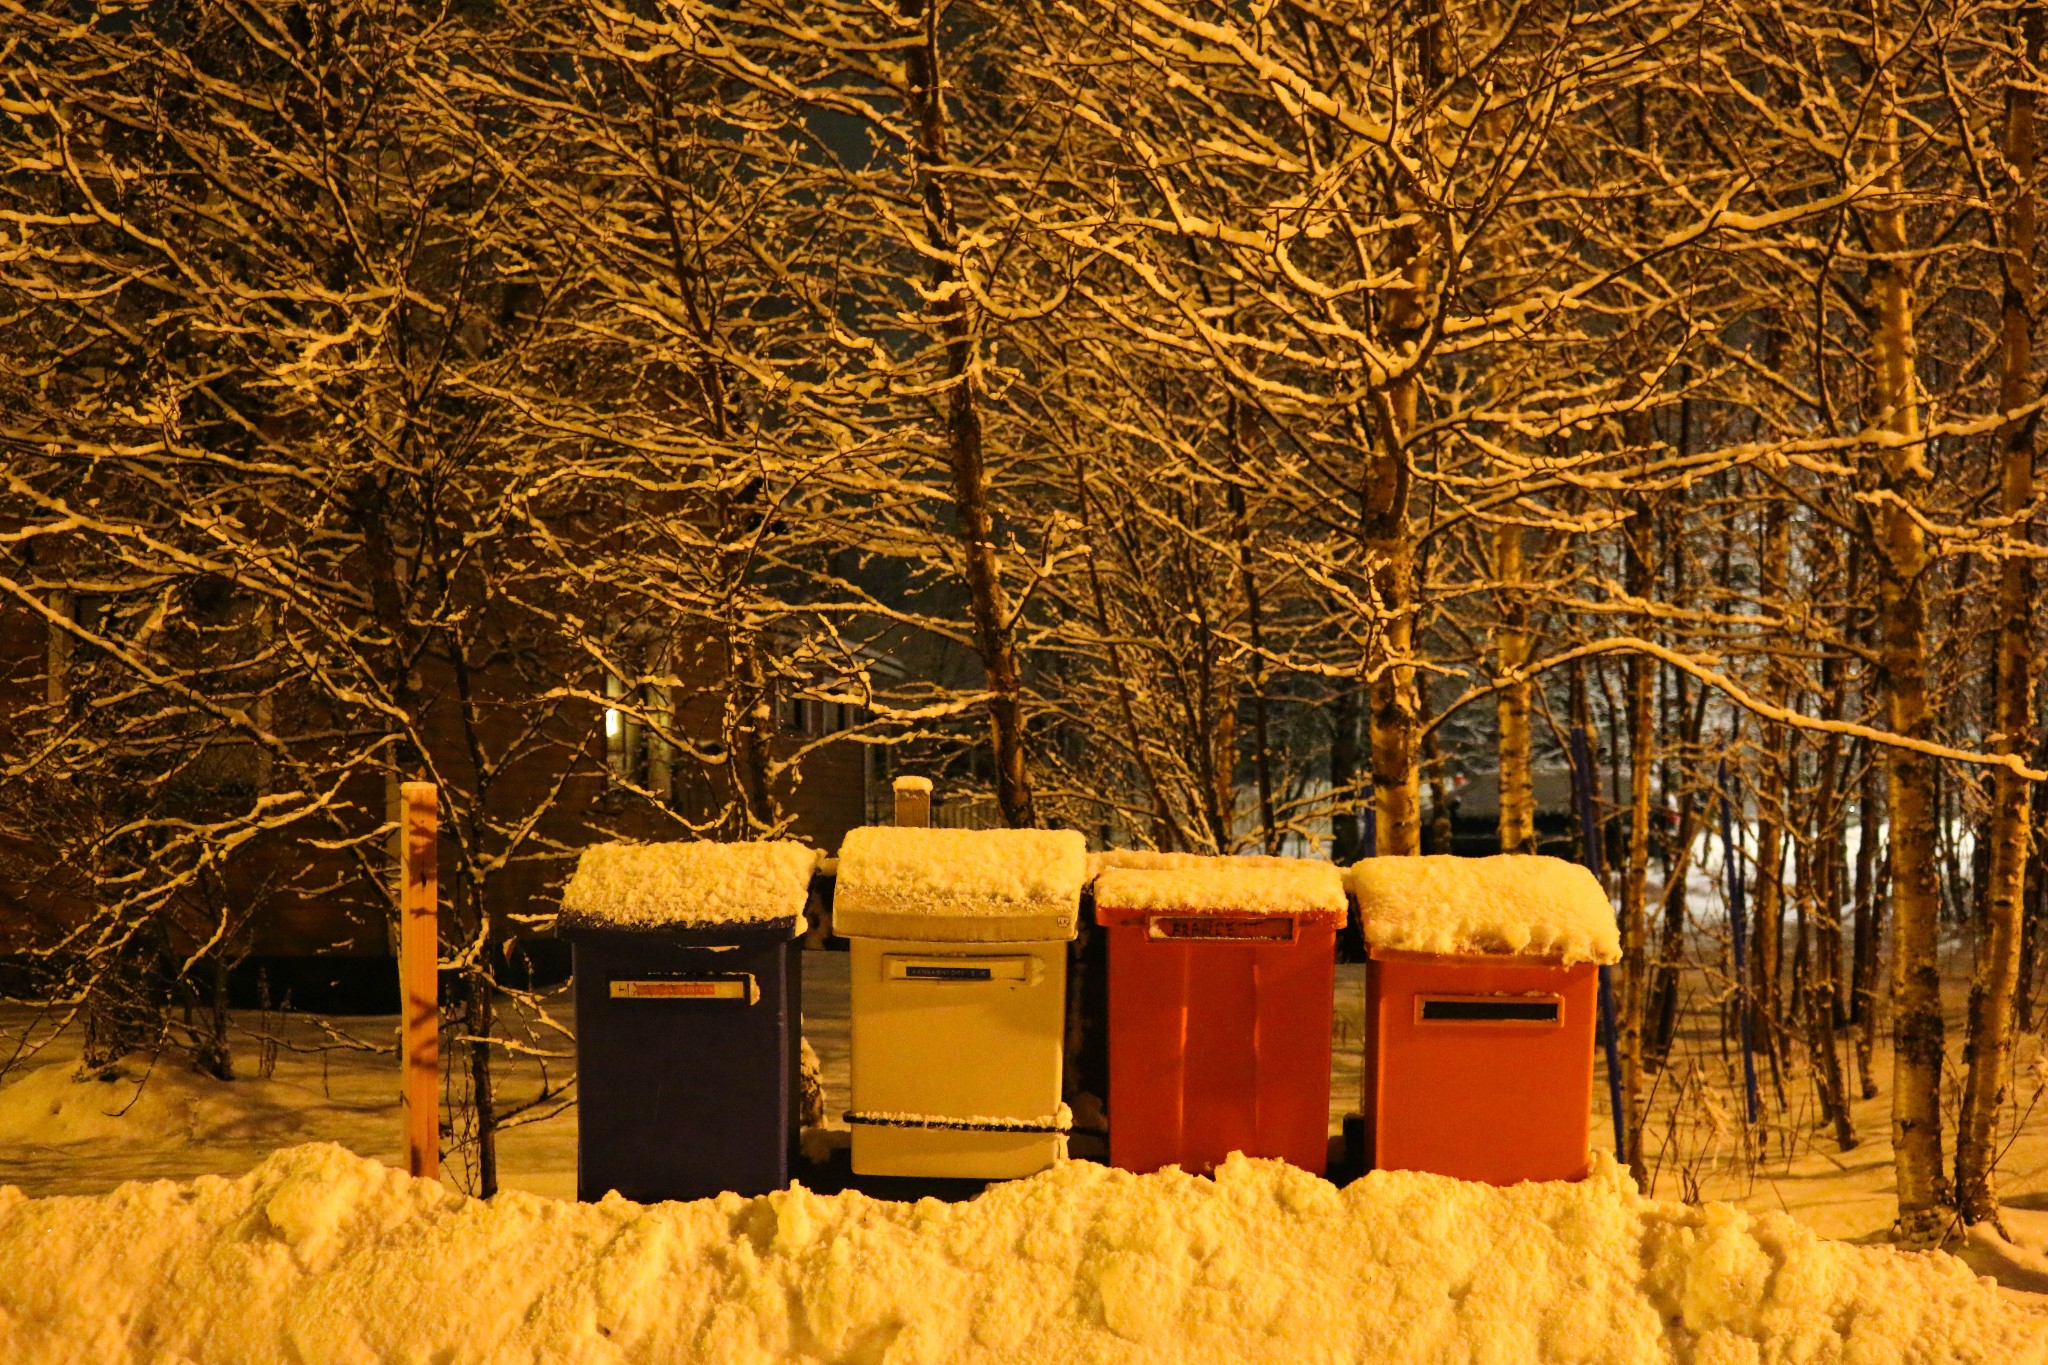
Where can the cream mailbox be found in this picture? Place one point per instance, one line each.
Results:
(1480, 998)
(959, 946)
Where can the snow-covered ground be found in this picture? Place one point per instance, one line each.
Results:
(1305, 1239)
(1696, 1146)
(58, 1136)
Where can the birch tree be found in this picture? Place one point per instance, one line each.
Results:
(1997, 983)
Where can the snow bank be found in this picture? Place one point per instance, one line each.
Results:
(1511, 903)
(135, 1104)
(629, 885)
(1192, 884)
(989, 885)
(2018, 1260)
(319, 1255)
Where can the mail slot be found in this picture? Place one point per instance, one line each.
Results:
(1220, 978)
(1489, 1009)
(739, 990)
(686, 1016)
(958, 942)
(1479, 1013)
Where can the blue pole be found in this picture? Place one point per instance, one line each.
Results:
(1738, 937)
(1588, 806)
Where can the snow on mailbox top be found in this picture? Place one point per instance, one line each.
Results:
(696, 885)
(981, 885)
(1198, 884)
(1523, 904)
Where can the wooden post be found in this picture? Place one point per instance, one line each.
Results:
(913, 801)
(419, 951)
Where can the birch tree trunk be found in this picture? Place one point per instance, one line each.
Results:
(750, 720)
(1767, 944)
(1824, 913)
(1517, 784)
(1684, 727)
(1634, 914)
(748, 705)
(1902, 563)
(1396, 725)
(1873, 880)
(1441, 827)
(1767, 936)
(1248, 578)
(1661, 1003)
(2032, 909)
(1988, 1052)
(483, 1093)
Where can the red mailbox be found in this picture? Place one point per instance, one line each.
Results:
(1220, 977)
(1480, 1001)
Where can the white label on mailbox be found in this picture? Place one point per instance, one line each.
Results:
(720, 988)
(1007, 969)
(1210, 929)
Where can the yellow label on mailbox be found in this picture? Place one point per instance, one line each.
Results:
(716, 988)
(1210, 929)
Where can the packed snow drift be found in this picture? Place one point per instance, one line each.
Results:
(1302, 887)
(968, 884)
(1509, 903)
(320, 1255)
(627, 885)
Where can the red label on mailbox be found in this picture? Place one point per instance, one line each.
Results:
(1210, 929)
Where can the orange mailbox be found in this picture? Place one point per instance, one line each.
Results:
(1480, 1002)
(1220, 973)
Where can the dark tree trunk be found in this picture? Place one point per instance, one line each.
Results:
(1346, 846)
(988, 603)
